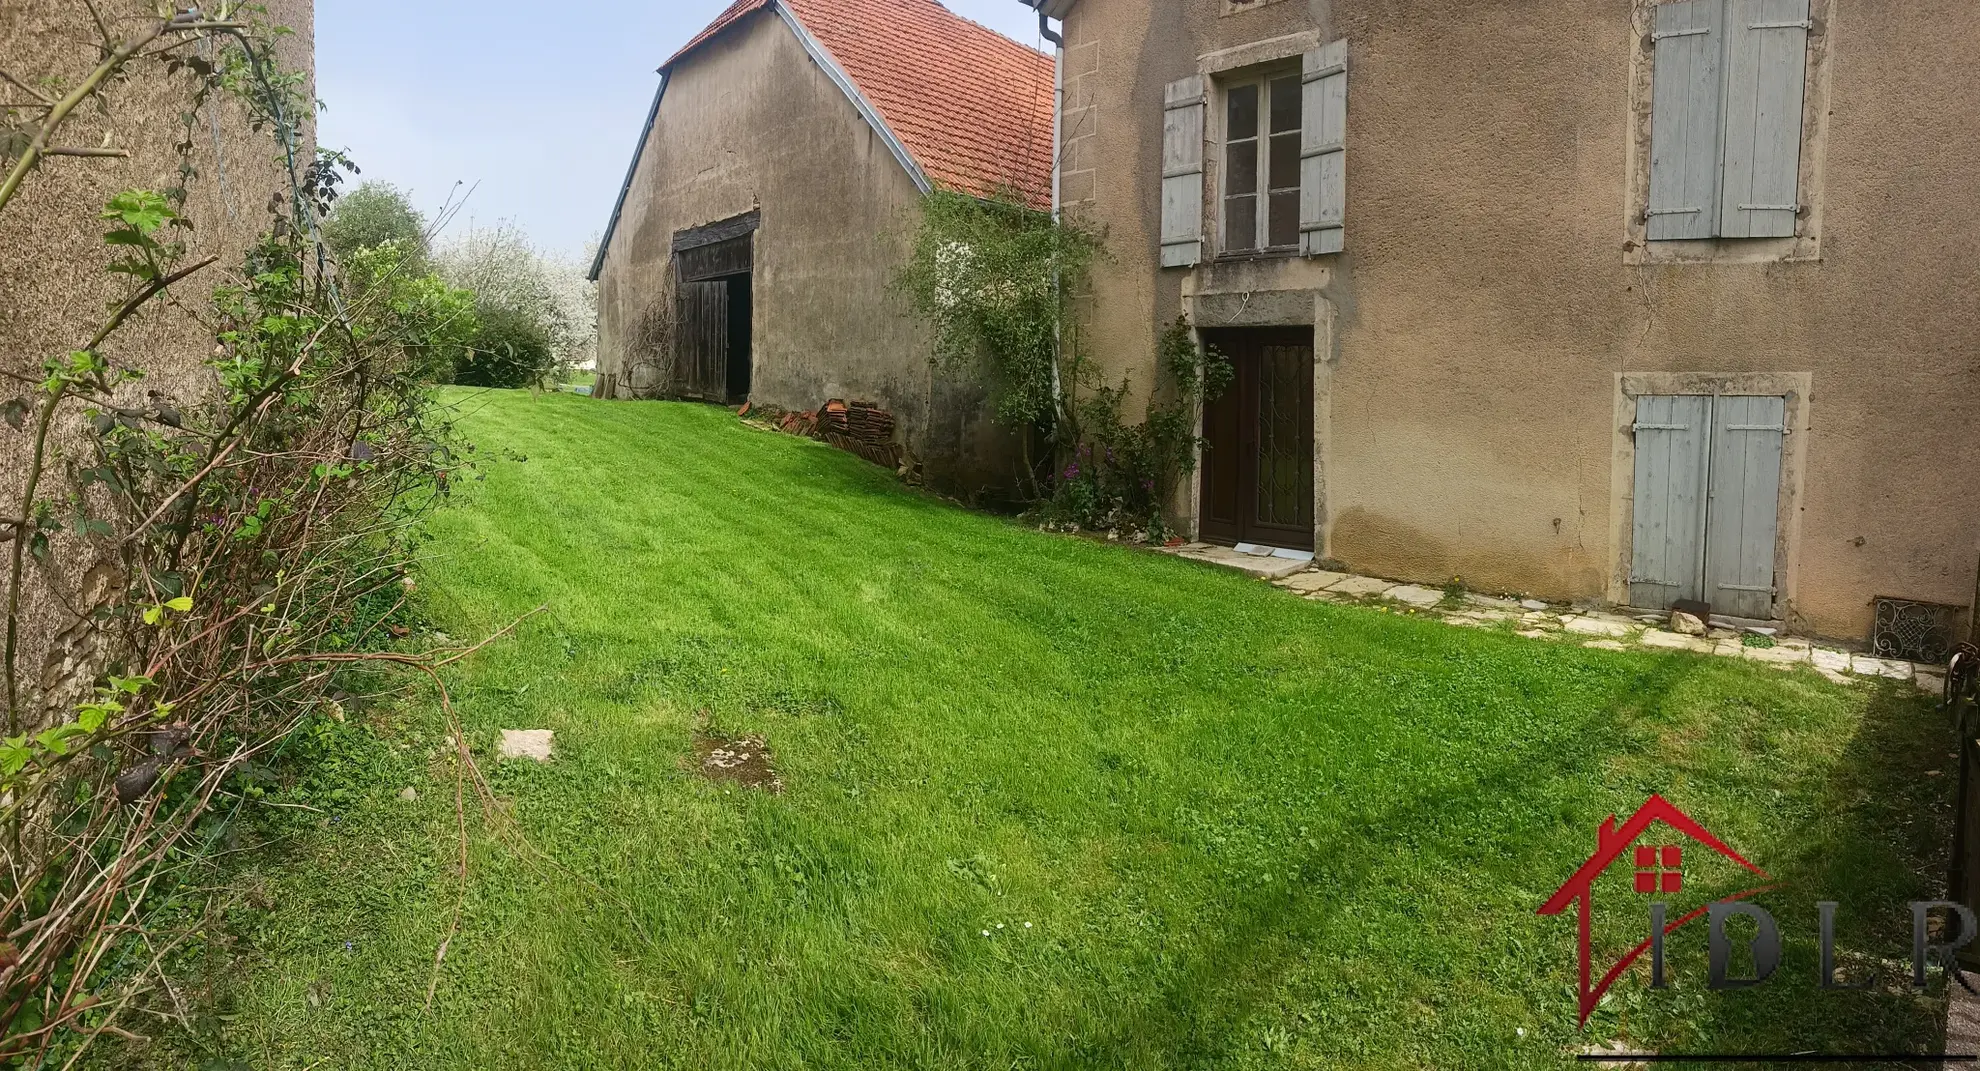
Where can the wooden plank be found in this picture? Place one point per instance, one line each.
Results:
(701, 343)
(1684, 127)
(1766, 79)
(1183, 106)
(1747, 445)
(1667, 548)
(1323, 150)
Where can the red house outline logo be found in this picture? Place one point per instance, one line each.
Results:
(1658, 869)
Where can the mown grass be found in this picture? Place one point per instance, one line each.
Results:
(1204, 824)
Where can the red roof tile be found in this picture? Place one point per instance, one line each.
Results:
(973, 107)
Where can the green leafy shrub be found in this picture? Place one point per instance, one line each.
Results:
(997, 281)
(1120, 475)
(509, 349)
(438, 323)
(373, 215)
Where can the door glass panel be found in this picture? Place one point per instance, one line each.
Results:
(1285, 437)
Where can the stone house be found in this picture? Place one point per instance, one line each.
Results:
(1617, 301)
(773, 196)
(54, 287)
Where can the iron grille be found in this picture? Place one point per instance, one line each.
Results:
(1916, 631)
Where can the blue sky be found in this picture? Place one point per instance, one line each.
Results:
(539, 103)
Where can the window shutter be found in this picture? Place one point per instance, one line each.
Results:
(1766, 75)
(1183, 105)
(1323, 151)
(1684, 121)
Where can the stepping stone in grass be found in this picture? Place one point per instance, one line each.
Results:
(528, 744)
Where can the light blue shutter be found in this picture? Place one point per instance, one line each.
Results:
(1766, 77)
(1684, 121)
(1323, 151)
(1673, 438)
(1747, 439)
(1183, 105)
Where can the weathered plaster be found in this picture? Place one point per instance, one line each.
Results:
(1484, 305)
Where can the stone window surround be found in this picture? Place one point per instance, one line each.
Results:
(1806, 245)
(1794, 386)
(1218, 69)
(1228, 294)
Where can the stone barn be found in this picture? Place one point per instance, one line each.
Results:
(773, 197)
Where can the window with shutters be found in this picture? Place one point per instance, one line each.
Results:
(1261, 164)
(1729, 84)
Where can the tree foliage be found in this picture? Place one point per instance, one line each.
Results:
(509, 349)
(506, 271)
(373, 215)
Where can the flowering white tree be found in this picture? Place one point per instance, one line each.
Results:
(505, 270)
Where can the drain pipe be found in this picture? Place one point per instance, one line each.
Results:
(1058, 159)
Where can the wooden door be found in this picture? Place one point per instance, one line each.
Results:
(1707, 502)
(701, 341)
(1673, 460)
(1745, 493)
(1258, 441)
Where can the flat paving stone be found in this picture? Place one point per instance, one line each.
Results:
(1672, 641)
(1491, 602)
(534, 744)
(1595, 626)
(1828, 659)
(1314, 580)
(1362, 585)
(1929, 683)
(1266, 566)
(1777, 655)
(1864, 665)
(1414, 595)
(1532, 604)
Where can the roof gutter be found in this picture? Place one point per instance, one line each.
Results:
(639, 150)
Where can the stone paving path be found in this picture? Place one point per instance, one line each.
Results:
(1543, 621)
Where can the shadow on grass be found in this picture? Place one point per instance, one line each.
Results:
(1881, 839)
(1205, 1015)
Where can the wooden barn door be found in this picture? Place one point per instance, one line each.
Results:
(701, 357)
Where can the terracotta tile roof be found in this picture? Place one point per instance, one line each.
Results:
(973, 107)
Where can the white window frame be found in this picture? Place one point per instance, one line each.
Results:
(1260, 245)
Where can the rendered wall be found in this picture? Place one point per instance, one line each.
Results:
(1486, 307)
(54, 292)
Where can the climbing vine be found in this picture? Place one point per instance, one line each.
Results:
(999, 284)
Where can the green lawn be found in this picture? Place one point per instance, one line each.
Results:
(1203, 823)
